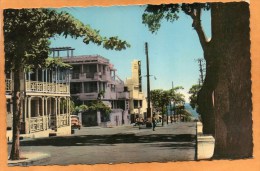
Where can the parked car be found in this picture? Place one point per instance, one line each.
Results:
(75, 123)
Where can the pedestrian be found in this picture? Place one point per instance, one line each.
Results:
(154, 122)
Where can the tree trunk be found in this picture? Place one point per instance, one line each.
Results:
(205, 100)
(162, 116)
(17, 114)
(232, 95)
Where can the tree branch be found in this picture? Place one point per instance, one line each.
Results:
(197, 26)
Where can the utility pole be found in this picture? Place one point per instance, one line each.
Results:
(148, 82)
(173, 106)
(200, 61)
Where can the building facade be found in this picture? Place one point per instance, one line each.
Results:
(92, 76)
(45, 102)
(137, 102)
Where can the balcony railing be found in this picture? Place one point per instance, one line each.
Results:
(63, 120)
(8, 85)
(123, 95)
(75, 75)
(37, 124)
(43, 87)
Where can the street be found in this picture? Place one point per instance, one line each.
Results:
(124, 144)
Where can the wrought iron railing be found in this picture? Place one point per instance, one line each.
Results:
(36, 124)
(63, 120)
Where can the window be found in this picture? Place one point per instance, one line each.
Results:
(75, 88)
(90, 87)
(113, 88)
(136, 104)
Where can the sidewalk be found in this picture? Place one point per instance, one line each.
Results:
(29, 158)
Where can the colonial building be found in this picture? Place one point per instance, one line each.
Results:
(45, 102)
(137, 102)
(92, 76)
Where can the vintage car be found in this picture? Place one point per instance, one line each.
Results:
(75, 123)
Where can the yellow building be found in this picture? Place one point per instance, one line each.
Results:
(137, 100)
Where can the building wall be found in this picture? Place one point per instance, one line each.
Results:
(41, 86)
(102, 76)
(134, 84)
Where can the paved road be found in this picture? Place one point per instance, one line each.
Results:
(95, 145)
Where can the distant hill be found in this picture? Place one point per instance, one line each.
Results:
(193, 112)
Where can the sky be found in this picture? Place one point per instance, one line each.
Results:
(172, 50)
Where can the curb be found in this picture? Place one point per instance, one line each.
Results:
(33, 158)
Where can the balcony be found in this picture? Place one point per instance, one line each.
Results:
(43, 87)
(75, 75)
(110, 95)
(88, 96)
(123, 95)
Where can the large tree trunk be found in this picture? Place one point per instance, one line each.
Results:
(17, 114)
(233, 104)
(205, 99)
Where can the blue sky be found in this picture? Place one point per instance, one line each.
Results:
(172, 50)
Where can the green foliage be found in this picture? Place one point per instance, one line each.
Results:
(56, 62)
(100, 95)
(193, 97)
(186, 115)
(155, 14)
(27, 33)
(160, 98)
(93, 106)
(72, 107)
(83, 107)
(100, 106)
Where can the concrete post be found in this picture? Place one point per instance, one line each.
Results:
(25, 109)
(56, 112)
(98, 118)
(47, 114)
(29, 114)
(43, 114)
(59, 111)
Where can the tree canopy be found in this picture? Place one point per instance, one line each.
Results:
(27, 33)
(26, 39)
(193, 95)
(155, 14)
(160, 98)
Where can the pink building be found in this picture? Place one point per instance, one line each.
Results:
(90, 76)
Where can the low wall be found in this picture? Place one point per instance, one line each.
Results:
(199, 128)
(66, 130)
(39, 134)
(9, 135)
(205, 144)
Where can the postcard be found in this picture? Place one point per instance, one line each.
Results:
(151, 85)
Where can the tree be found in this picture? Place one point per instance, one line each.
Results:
(224, 100)
(26, 40)
(194, 90)
(187, 116)
(161, 98)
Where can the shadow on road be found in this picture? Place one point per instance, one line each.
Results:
(95, 140)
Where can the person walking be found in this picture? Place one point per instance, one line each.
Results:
(154, 122)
